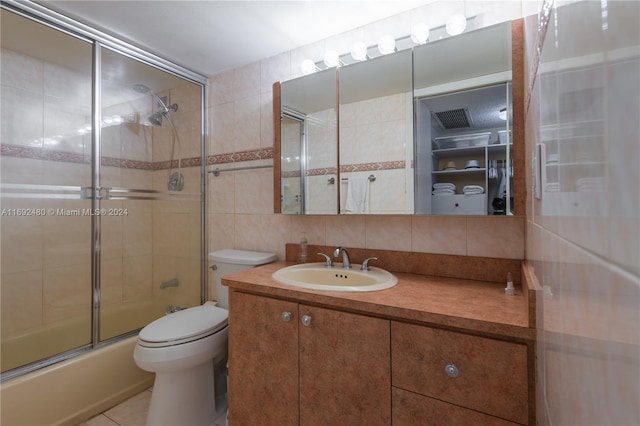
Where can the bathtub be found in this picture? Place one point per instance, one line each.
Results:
(72, 391)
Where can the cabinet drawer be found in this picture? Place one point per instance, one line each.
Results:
(490, 375)
(459, 204)
(411, 409)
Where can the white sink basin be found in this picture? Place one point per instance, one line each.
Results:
(316, 276)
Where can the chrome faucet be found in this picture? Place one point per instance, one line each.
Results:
(346, 263)
(173, 309)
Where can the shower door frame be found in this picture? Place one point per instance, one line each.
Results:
(96, 193)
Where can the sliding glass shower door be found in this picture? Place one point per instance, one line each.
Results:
(151, 239)
(101, 180)
(45, 299)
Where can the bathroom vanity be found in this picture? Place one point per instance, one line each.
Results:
(431, 350)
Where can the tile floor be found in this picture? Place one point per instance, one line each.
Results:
(132, 412)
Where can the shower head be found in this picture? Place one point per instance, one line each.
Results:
(146, 90)
(141, 88)
(156, 118)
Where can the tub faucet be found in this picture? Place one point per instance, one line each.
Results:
(173, 309)
(346, 263)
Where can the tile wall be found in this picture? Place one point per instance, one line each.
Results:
(583, 234)
(376, 137)
(46, 260)
(240, 204)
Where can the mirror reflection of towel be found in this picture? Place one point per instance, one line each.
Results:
(357, 195)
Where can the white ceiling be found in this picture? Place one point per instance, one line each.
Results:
(209, 37)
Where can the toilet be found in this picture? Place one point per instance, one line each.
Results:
(187, 350)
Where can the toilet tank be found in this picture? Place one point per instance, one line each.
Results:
(228, 261)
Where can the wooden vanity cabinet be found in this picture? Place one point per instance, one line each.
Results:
(445, 377)
(295, 364)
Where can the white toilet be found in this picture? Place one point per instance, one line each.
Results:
(188, 352)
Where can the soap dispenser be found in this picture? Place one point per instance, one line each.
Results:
(302, 257)
(509, 290)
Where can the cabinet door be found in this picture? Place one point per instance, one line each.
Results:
(483, 374)
(344, 369)
(263, 361)
(411, 409)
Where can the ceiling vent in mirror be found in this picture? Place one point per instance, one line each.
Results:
(453, 119)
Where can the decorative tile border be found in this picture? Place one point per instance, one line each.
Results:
(42, 154)
(350, 168)
(368, 167)
(36, 153)
(235, 157)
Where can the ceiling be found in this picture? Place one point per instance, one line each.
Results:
(210, 37)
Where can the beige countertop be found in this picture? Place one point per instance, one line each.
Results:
(479, 307)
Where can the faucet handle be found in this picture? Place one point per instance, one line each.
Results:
(365, 263)
(328, 263)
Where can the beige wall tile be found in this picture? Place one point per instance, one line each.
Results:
(221, 88)
(111, 280)
(21, 302)
(67, 238)
(266, 119)
(221, 231)
(346, 230)
(439, 234)
(314, 227)
(247, 81)
(501, 237)
(22, 117)
(262, 233)
(275, 68)
(22, 71)
(247, 123)
(388, 232)
(137, 233)
(254, 191)
(67, 291)
(22, 237)
(222, 131)
(137, 278)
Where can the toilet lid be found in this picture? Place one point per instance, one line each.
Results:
(186, 325)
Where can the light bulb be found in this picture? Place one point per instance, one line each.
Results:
(420, 33)
(308, 67)
(359, 51)
(386, 44)
(456, 24)
(331, 59)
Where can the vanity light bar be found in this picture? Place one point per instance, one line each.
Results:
(360, 52)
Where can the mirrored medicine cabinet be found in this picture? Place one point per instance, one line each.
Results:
(427, 130)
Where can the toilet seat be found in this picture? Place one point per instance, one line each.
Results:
(184, 326)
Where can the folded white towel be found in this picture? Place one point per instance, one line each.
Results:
(552, 187)
(357, 195)
(443, 192)
(472, 189)
(444, 185)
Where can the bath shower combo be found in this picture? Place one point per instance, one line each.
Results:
(176, 180)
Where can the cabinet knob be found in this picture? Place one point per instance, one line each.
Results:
(286, 316)
(306, 320)
(452, 371)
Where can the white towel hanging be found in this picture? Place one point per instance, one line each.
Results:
(357, 195)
